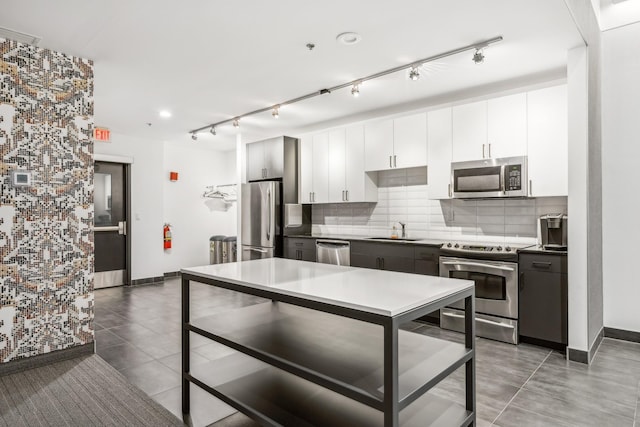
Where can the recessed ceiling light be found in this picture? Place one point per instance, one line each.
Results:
(349, 38)
(165, 114)
(19, 36)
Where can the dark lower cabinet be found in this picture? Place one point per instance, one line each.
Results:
(383, 256)
(300, 248)
(543, 299)
(427, 262)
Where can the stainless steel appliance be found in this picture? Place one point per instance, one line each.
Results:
(494, 269)
(333, 252)
(553, 232)
(504, 177)
(261, 220)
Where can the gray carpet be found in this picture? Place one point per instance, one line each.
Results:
(84, 391)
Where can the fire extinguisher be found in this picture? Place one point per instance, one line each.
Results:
(166, 234)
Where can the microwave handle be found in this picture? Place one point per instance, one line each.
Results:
(502, 175)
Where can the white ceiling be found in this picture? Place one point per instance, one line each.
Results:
(208, 60)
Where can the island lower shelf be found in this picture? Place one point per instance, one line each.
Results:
(341, 354)
(280, 398)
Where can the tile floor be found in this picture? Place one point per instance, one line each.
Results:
(138, 332)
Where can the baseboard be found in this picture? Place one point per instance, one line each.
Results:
(23, 364)
(157, 279)
(586, 357)
(147, 280)
(172, 274)
(621, 334)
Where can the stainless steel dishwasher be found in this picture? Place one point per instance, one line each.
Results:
(333, 252)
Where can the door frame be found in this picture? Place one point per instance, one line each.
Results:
(126, 162)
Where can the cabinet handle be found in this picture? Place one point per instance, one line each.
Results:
(395, 165)
(347, 193)
(377, 262)
(483, 151)
(489, 150)
(390, 165)
(530, 188)
(545, 265)
(382, 262)
(343, 195)
(449, 190)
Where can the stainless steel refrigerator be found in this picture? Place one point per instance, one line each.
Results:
(261, 220)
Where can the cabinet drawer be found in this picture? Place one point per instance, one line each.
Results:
(543, 262)
(377, 249)
(300, 243)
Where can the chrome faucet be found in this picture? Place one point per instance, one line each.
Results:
(402, 224)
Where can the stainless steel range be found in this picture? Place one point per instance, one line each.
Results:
(494, 269)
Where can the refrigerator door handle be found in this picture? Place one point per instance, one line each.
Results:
(269, 209)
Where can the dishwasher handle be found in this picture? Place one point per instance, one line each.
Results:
(332, 243)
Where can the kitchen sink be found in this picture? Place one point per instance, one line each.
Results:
(392, 238)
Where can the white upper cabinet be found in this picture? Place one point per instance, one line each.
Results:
(548, 145)
(360, 186)
(506, 126)
(439, 139)
(398, 143)
(265, 159)
(306, 169)
(410, 141)
(469, 132)
(378, 137)
(320, 168)
(490, 129)
(337, 166)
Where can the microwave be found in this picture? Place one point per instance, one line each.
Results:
(490, 178)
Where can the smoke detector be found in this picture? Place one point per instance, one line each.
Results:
(18, 36)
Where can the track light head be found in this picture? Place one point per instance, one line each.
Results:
(414, 74)
(213, 130)
(236, 123)
(355, 90)
(478, 56)
(194, 136)
(276, 112)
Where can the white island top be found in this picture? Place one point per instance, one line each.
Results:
(373, 291)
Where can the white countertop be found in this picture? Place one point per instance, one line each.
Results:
(374, 291)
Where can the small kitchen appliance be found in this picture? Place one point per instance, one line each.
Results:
(490, 178)
(553, 232)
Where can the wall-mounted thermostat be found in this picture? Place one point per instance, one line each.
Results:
(20, 178)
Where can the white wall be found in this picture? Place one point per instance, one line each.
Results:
(621, 151)
(194, 218)
(155, 200)
(577, 200)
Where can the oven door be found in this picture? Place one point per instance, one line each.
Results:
(496, 283)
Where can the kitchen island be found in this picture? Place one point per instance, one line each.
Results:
(326, 347)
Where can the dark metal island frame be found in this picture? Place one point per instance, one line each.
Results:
(325, 348)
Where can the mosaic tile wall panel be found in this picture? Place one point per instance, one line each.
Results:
(46, 240)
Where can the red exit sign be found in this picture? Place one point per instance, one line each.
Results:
(102, 134)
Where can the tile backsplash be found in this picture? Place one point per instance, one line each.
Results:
(403, 197)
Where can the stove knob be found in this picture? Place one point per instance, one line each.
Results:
(508, 249)
(499, 248)
(456, 246)
(448, 245)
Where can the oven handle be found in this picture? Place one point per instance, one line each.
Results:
(489, 322)
(478, 264)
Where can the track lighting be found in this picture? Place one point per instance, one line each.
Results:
(414, 74)
(355, 90)
(194, 136)
(213, 130)
(478, 56)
